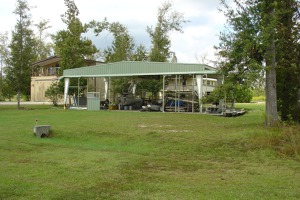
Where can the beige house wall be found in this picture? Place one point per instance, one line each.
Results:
(39, 85)
(44, 73)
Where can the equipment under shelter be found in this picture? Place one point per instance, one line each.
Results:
(182, 85)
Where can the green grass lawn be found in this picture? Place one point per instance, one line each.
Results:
(142, 155)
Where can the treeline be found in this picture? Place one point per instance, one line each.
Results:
(73, 47)
(260, 47)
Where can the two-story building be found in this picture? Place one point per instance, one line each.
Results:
(44, 73)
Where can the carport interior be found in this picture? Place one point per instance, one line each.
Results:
(182, 85)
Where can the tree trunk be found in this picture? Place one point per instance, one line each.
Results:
(297, 117)
(298, 102)
(271, 97)
(18, 97)
(296, 109)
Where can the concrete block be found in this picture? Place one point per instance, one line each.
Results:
(41, 131)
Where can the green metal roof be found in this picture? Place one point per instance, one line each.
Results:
(138, 68)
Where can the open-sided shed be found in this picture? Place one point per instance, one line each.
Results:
(143, 69)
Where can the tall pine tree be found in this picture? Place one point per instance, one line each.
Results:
(18, 71)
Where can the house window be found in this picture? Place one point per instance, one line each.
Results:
(50, 71)
(57, 69)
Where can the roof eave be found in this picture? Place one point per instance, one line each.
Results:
(139, 74)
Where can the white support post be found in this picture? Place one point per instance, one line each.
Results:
(99, 86)
(200, 89)
(66, 91)
(193, 93)
(78, 91)
(106, 88)
(206, 85)
(109, 93)
(87, 86)
(134, 89)
(176, 85)
(163, 95)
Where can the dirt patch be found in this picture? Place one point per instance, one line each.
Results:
(153, 126)
(23, 108)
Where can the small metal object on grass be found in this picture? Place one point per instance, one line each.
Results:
(41, 130)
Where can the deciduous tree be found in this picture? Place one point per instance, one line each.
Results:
(262, 39)
(70, 44)
(122, 45)
(43, 47)
(167, 20)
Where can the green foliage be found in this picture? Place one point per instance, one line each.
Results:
(78, 86)
(259, 98)
(99, 27)
(70, 45)
(7, 91)
(43, 49)
(4, 55)
(54, 93)
(229, 92)
(240, 45)
(140, 54)
(4, 50)
(122, 46)
(152, 85)
(161, 45)
(288, 68)
(262, 40)
(167, 21)
(120, 85)
(18, 71)
(258, 92)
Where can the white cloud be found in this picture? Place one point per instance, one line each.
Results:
(196, 41)
(199, 37)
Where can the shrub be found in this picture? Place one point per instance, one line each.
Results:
(54, 93)
(239, 93)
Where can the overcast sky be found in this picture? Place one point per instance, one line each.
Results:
(198, 38)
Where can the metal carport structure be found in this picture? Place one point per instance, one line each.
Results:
(141, 68)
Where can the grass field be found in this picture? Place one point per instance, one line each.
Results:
(141, 155)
